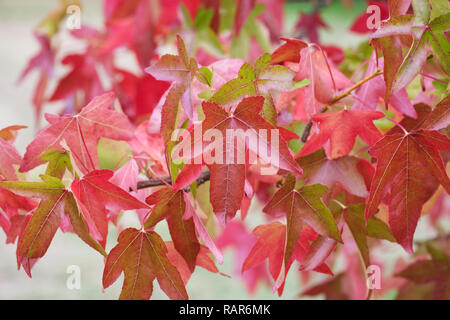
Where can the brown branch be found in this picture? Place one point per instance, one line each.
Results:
(344, 94)
(355, 86)
(156, 182)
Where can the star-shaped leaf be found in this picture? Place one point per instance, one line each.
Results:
(340, 129)
(410, 167)
(80, 133)
(101, 201)
(170, 204)
(55, 202)
(142, 257)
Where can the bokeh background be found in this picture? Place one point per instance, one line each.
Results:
(17, 45)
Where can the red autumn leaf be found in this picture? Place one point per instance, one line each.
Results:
(83, 76)
(325, 79)
(290, 51)
(142, 257)
(410, 167)
(179, 70)
(310, 24)
(271, 245)
(317, 168)
(10, 206)
(171, 206)
(439, 118)
(101, 201)
(434, 272)
(369, 94)
(8, 158)
(425, 34)
(340, 129)
(138, 96)
(43, 61)
(81, 133)
(303, 205)
(228, 177)
(236, 235)
(203, 260)
(56, 201)
(300, 206)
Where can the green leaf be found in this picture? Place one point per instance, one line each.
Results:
(46, 218)
(203, 18)
(412, 64)
(422, 11)
(142, 257)
(439, 7)
(204, 75)
(302, 206)
(378, 229)
(439, 44)
(302, 83)
(262, 79)
(354, 217)
(360, 229)
(58, 162)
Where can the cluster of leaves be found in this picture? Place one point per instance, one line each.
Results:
(370, 162)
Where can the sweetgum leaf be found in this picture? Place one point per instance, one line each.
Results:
(142, 257)
(439, 118)
(46, 218)
(299, 206)
(354, 217)
(58, 162)
(410, 166)
(228, 177)
(170, 205)
(340, 129)
(433, 273)
(427, 35)
(179, 70)
(271, 245)
(261, 79)
(101, 201)
(317, 168)
(81, 133)
(8, 158)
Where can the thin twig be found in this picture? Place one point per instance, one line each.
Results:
(156, 182)
(308, 127)
(355, 86)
